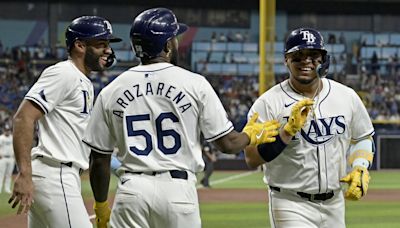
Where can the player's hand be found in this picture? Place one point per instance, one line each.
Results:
(358, 180)
(103, 213)
(259, 133)
(298, 116)
(22, 193)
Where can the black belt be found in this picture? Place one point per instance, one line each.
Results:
(310, 197)
(177, 174)
(6, 156)
(69, 164)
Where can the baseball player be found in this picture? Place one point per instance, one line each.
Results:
(7, 161)
(325, 127)
(61, 101)
(209, 158)
(155, 114)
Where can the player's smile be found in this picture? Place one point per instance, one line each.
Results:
(103, 60)
(302, 64)
(306, 70)
(96, 54)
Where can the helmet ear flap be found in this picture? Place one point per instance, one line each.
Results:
(322, 69)
(111, 60)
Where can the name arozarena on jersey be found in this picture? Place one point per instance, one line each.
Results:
(152, 89)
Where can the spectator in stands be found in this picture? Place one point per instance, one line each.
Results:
(390, 66)
(342, 39)
(331, 38)
(238, 36)
(396, 62)
(374, 63)
(222, 37)
(213, 37)
(230, 37)
(228, 57)
(246, 36)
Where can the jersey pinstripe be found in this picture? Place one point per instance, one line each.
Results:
(155, 114)
(315, 159)
(65, 95)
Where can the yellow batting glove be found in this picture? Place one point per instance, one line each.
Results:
(260, 133)
(103, 213)
(358, 180)
(298, 116)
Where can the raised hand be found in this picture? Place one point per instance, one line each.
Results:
(298, 116)
(259, 133)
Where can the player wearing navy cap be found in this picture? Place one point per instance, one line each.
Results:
(325, 128)
(155, 114)
(48, 183)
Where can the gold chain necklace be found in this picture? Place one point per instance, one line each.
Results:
(313, 97)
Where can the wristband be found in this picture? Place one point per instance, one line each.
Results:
(269, 151)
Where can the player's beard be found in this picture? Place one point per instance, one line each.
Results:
(174, 57)
(92, 60)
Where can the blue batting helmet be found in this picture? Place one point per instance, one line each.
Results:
(304, 38)
(89, 27)
(307, 38)
(152, 29)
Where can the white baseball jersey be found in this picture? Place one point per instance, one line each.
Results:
(7, 162)
(315, 159)
(155, 115)
(6, 145)
(65, 95)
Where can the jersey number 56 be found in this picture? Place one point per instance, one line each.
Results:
(161, 133)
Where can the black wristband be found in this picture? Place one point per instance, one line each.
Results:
(269, 151)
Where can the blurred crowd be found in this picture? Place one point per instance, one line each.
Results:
(19, 69)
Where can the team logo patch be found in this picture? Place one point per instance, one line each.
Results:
(308, 36)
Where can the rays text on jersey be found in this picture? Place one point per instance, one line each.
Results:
(152, 89)
(323, 130)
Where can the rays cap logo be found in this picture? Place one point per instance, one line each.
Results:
(308, 36)
(108, 26)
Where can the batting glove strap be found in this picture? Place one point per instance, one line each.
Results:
(269, 151)
(358, 180)
(103, 213)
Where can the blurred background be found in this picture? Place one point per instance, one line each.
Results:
(362, 36)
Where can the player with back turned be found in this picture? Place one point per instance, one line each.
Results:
(155, 114)
(48, 184)
(325, 128)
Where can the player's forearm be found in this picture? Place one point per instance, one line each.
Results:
(252, 157)
(285, 136)
(232, 143)
(100, 175)
(22, 142)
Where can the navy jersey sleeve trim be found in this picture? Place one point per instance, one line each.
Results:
(97, 149)
(33, 99)
(220, 134)
(364, 136)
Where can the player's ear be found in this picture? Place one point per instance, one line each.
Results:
(79, 45)
(168, 47)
